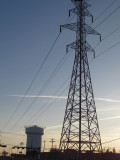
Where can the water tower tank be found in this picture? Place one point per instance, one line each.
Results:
(34, 138)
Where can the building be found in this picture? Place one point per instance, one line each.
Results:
(34, 138)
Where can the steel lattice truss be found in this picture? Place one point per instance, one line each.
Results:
(80, 127)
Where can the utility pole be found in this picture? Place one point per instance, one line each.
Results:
(80, 129)
(52, 141)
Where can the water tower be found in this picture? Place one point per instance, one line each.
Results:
(34, 138)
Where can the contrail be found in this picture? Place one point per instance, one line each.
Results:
(36, 96)
(61, 97)
(108, 118)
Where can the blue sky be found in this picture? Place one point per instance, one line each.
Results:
(27, 31)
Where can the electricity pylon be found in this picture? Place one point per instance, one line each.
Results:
(80, 129)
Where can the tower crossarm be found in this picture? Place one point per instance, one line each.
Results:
(90, 30)
(75, 46)
(75, 26)
(77, 3)
(72, 26)
(85, 13)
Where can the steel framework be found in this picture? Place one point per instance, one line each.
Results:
(80, 129)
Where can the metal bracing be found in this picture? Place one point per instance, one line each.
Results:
(74, 26)
(86, 13)
(80, 129)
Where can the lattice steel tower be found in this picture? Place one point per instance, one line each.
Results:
(80, 127)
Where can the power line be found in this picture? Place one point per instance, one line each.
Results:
(41, 90)
(37, 75)
(105, 51)
(56, 70)
(104, 10)
(30, 87)
(104, 20)
(50, 104)
(107, 16)
(108, 36)
(108, 49)
(50, 98)
(111, 141)
(41, 111)
(109, 129)
(68, 20)
(33, 80)
(9, 120)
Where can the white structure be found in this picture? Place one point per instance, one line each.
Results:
(34, 138)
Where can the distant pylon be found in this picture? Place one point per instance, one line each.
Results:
(52, 141)
(80, 129)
